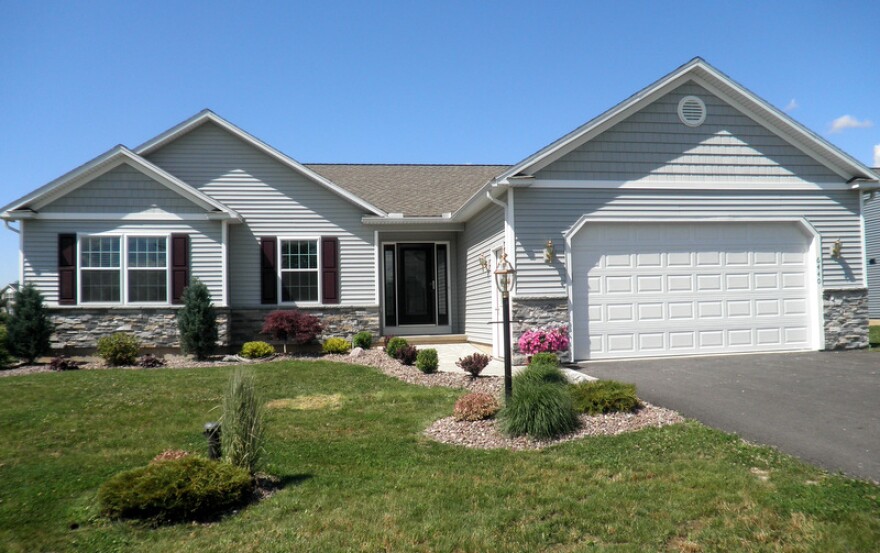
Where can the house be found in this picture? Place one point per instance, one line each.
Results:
(692, 218)
(7, 296)
(871, 206)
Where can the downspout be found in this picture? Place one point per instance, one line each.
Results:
(13, 229)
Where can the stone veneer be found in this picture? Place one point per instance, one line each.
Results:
(529, 313)
(78, 329)
(846, 318)
(341, 321)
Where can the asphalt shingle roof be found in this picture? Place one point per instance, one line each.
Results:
(414, 190)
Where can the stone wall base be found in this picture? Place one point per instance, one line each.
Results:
(846, 318)
(342, 321)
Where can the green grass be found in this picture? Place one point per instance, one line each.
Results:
(360, 477)
(874, 336)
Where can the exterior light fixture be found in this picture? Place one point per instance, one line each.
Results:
(835, 249)
(549, 253)
(484, 263)
(505, 276)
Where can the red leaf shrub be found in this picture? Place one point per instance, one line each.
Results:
(407, 354)
(473, 364)
(475, 407)
(285, 325)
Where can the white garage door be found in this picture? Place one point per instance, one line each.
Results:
(653, 289)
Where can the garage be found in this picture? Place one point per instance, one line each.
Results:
(649, 289)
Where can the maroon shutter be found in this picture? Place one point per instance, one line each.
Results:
(179, 266)
(268, 270)
(66, 269)
(329, 269)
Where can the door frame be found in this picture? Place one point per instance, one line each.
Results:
(410, 329)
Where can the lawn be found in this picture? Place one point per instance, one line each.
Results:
(360, 477)
(874, 336)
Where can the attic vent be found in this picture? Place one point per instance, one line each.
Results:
(692, 111)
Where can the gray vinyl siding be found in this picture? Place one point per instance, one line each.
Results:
(41, 249)
(653, 144)
(483, 233)
(543, 214)
(274, 200)
(122, 190)
(872, 251)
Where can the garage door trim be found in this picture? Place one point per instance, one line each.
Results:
(814, 269)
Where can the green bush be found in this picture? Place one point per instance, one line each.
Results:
(254, 350)
(190, 488)
(119, 349)
(29, 327)
(5, 358)
(538, 408)
(604, 396)
(545, 358)
(543, 373)
(427, 361)
(394, 344)
(242, 427)
(197, 321)
(363, 340)
(337, 345)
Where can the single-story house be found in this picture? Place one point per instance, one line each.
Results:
(691, 218)
(871, 206)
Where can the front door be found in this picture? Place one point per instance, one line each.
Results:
(415, 284)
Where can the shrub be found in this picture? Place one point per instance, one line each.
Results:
(426, 360)
(253, 350)
(475, 407)
(407, 354)
(604, 396)
(337, 345)
(543, 373)
(63, 363)
(545, 359)
(538, 408)
(150, 361)
(118, 349)
(363, 340)
(29, 327)
(546, 339)
(5, 358)
(197, 321)
(473, 364)
(290, 324)
(191, 488)
(392, 344)
(242, 422)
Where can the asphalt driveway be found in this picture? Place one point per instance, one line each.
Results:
(823, 407)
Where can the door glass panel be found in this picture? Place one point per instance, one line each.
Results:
(442, 286)
(415, 284)
(390, 299)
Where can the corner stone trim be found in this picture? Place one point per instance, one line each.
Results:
(529, 313)
(846, 318)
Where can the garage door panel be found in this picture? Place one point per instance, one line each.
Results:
(726, 287)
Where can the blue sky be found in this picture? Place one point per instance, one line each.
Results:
(402, 82)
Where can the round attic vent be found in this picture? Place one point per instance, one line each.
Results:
(691, 111)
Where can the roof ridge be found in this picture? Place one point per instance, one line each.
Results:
(413, 164)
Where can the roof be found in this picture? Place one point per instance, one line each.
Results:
(414, 190)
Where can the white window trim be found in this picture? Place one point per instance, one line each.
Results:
(279, 271)
(123, 268)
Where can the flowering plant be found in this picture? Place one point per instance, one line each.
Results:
(545, 339)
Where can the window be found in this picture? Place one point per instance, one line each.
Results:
(147, 269)
(101, 269)
(299, 270)
(143, 263)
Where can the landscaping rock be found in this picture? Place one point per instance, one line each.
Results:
(356, 352)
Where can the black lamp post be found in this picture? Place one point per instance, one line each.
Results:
(504, 278)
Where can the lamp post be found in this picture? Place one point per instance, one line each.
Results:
(504, 278)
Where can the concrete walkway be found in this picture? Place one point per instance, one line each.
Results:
(448, 354)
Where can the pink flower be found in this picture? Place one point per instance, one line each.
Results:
(545, 339)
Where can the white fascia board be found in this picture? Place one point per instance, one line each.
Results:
(148, 215)
(205, 116)
(696, 184)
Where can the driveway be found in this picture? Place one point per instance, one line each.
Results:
(823, 407)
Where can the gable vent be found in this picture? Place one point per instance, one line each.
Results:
(691, 111)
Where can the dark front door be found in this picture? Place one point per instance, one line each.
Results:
(415, 284)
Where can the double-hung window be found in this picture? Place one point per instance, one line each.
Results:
(299, 270)
(137, 265)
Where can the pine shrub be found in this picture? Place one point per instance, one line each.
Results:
(473, 364)
(427, 361)
(29, 327)
(540, 408)
(394, 343)
(184, 489)
(407, 354)
(475, 407)
(242, 422)
(197, 321)
(290, 324)
(336, 345)
(604, 396)
(5, 358)
(118, 349)
(255, 350)
(363, 340)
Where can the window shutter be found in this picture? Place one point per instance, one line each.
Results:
(66, 269)
(179, 266)
(268, 270)
(329, 269)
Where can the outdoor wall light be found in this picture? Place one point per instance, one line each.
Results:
(835, 249)
(484, 263)
(549, 253)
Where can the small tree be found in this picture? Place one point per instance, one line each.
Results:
(284, 325)
(29, 327)
(197, 321)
